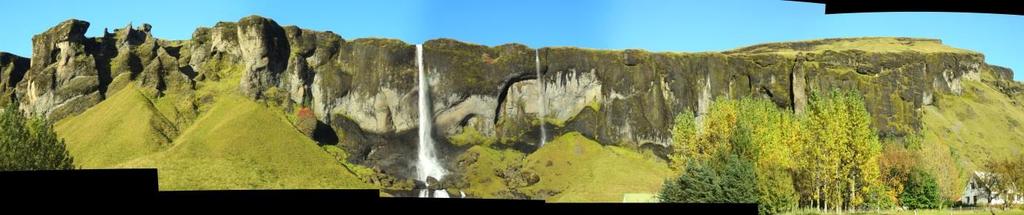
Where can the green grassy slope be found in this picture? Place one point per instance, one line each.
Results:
(234, 143)
(484, 170)
(241, 144)
(123, 127)
(867, 44)
(962, 133)
(577, 169)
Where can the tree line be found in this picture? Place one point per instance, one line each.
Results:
(829, 158)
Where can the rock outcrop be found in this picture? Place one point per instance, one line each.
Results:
(264, 48)
(365, 91)
(70, 72)
(12, 70)
(63, 78)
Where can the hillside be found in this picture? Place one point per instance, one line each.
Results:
(240, 144)
(570, 168)
(963, 133)
(123, 127)
(573, 168)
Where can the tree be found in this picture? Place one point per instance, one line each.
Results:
(730, 179)
(30, 143)
(699, 183)
(895, 164)
(753, 130)
(711, 136)
(684, 131)
(837, 148)
(772, 136)
(920, 191)
(989, 184)
(843, 151)
(863, 150)
(716, 132)
(1003, 179)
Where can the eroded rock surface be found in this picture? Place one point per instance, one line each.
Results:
(365, 89)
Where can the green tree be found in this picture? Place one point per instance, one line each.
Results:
(726, 179)
(920, 191)
(699, 183)
(30, 143)
(753, 130)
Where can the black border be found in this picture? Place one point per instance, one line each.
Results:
(1007, 7)
(137, 188)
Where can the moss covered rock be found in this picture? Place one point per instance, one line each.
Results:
(364, 91)
(12, 70)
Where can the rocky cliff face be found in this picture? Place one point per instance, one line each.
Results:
(70, 72)
(12, 70)
(365, 91)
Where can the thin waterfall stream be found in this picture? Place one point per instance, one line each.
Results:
(427, 164)
(541, 102)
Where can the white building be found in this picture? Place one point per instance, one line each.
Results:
(974, 194)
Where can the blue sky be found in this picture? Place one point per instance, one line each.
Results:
(656, 25)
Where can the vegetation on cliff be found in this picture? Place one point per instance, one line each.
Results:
(131, 100)
(963, 133)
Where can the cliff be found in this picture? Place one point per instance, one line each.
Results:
(364, 90)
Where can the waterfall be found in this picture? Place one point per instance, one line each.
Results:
(425, 193)
(543, 105)
(427, 164)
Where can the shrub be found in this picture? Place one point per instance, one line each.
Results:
(920, 191)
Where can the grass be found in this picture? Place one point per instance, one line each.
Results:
(240, 144)
(964, 132)
(176, 108)
(974, 211)
(573, 168)
(231, 143)
(868, 44)
(482, 174)
(123, 127)
(470, 136)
